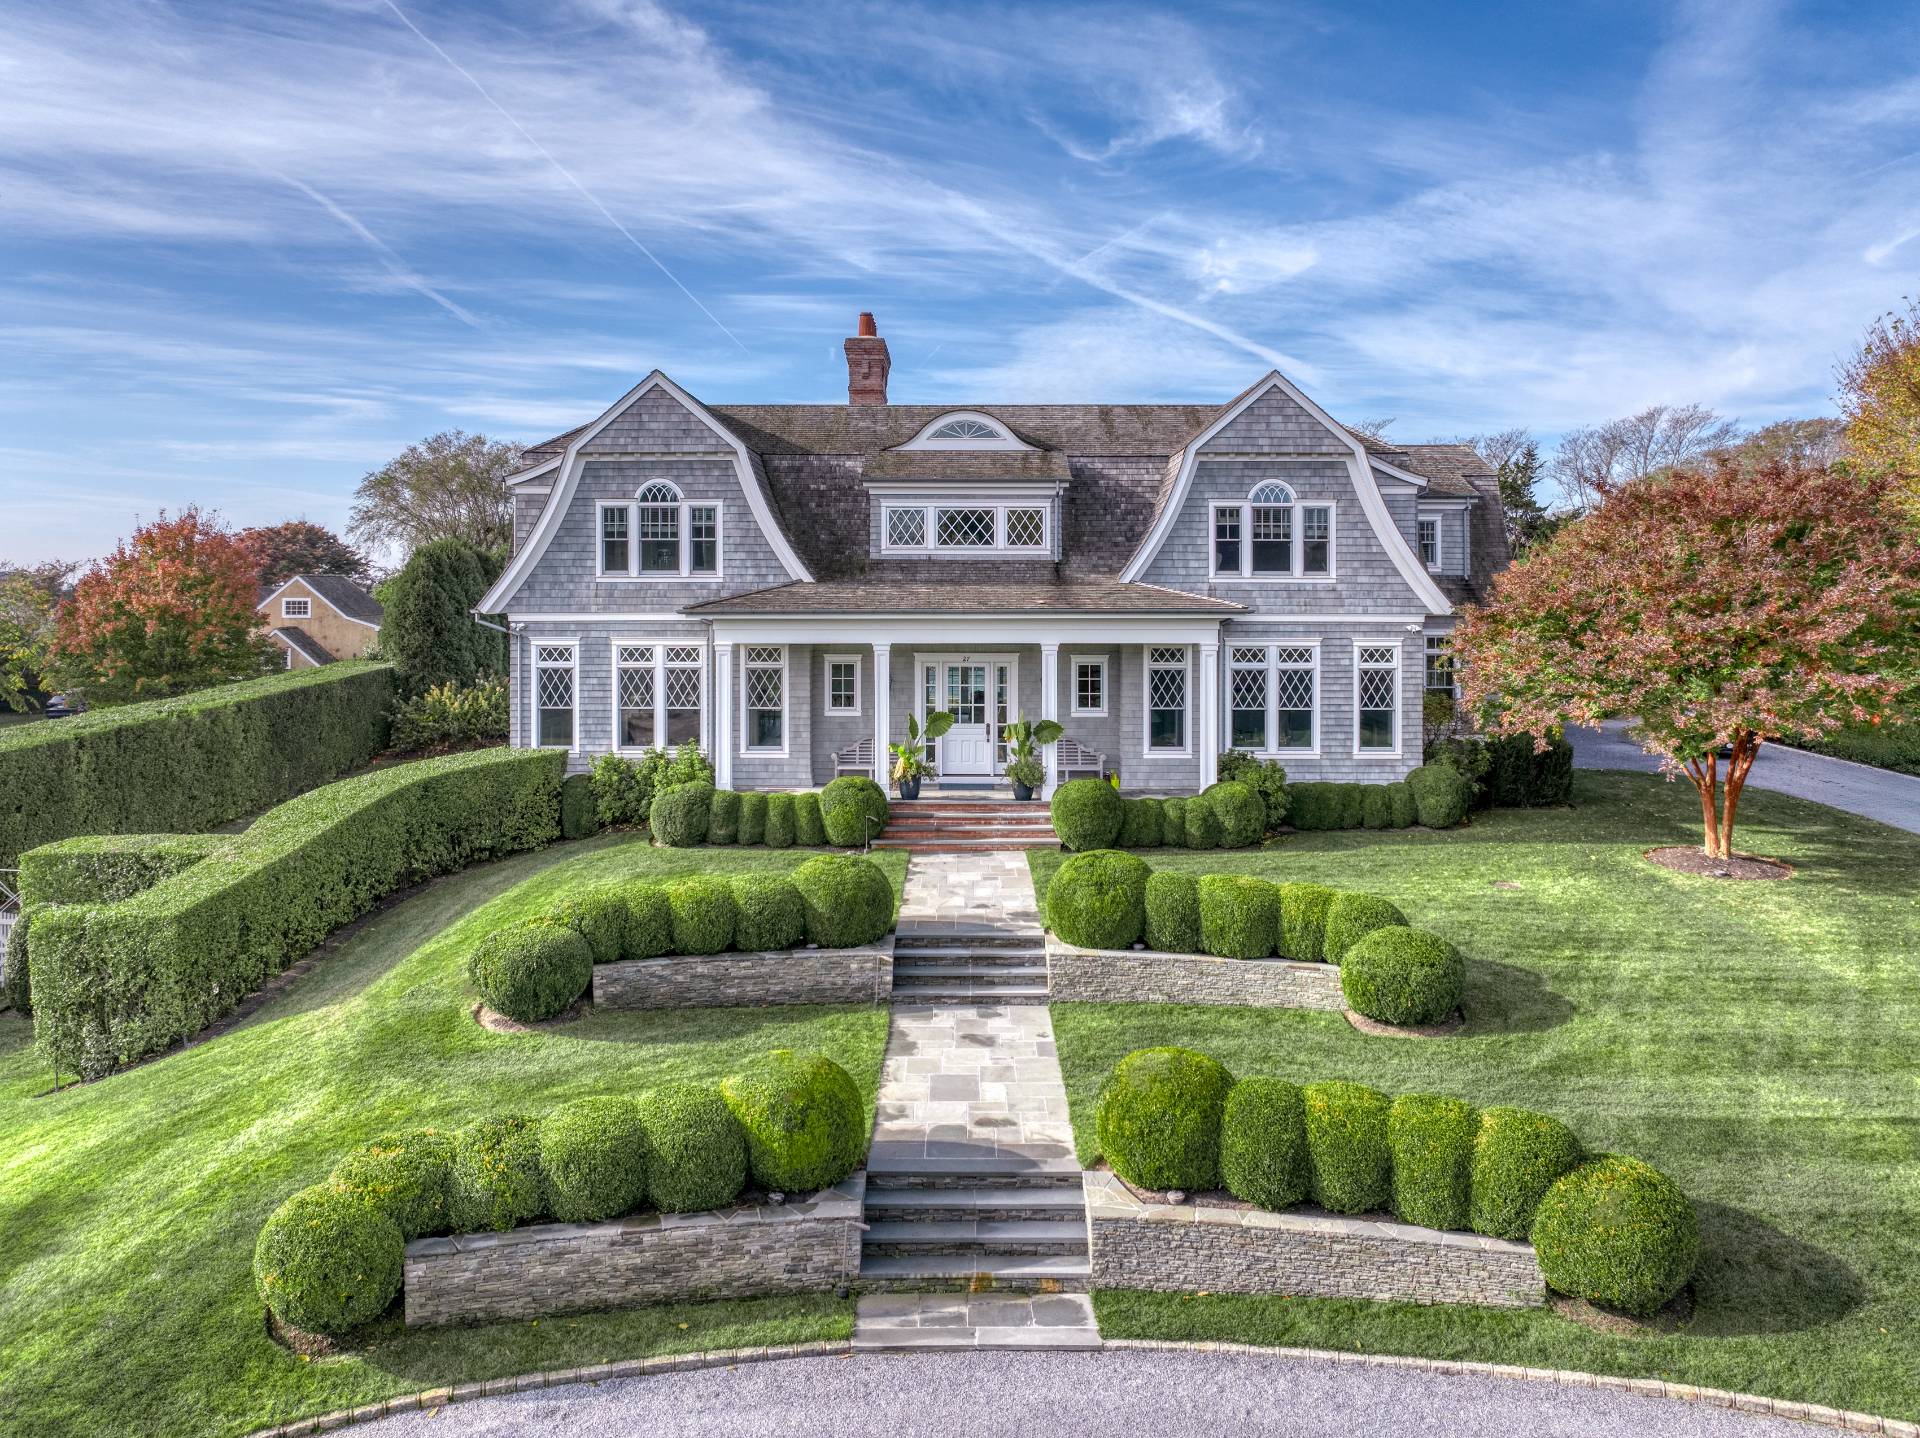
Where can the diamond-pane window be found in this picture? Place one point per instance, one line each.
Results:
(763, 654)
(1249, 689)
(763, 689)
(1167, 698)
(1376, 689)
(964, 528)
(636, 689)
(1252, 655)
(906, 528)
(636, 654)
(1026, 528)
(1293, 654)
(683, 689)
(1247, 703)
(1293, 688)
(553, 654)
(1167, 689)
(553, 694)
(1377, 655)
(765, 696)
(1167, 654)
(1377, 695)
(683, 654)
(556, 688)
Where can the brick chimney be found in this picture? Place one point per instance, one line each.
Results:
(867, 364)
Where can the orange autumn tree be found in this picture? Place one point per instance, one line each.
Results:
(1718, 607)
(171, 609)
(1880, 397)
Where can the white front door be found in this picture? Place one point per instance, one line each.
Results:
(968, 746)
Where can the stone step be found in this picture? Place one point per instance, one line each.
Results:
(1062, 1273)
(986, 1320)
(969, 991)
(931, 945)
(1000, 973)
(1004, 961)
(936, 844)
(985, 1238)
(1016, 1183)
(944, 1205)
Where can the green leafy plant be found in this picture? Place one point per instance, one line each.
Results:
(1347, 1149)
(1397, 975)
(703, 914)
(696, 1152)
(1432, 1142)
(494, 1180)
(593, 1155)
(532, 970)
(1024, 741)
(771, 915)
(1087, 814)
(682, 813)
(909, 759)
(1173, 911)
(1266, 777)
(853, 811)
(452, 716)
(404, 1176)
(1517, 1154)
(1263, 1143)
(1098, 900)
(1239, 916)
(1350, 916)
(847, 898)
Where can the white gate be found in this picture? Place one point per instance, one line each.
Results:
(9, 912)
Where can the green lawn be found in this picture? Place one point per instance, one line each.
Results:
(129, 1207)
(1760, 1042)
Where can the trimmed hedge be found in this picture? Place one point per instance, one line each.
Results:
(493, 1178)
(1159, 1119)
(853, 810)
(1239, 916)
(1266, 777)
(109, 868)
(115, 982)
(1140, 824)
(1204, 830)
(753, 818)
(593, 1154)
(804, 1121)
(579, 818)
(1349, 1159)
(809, 829)
(1617, 1232)
(848, 900)
(1241, 811)
(649, 930)
(770, 914)
(598, 915)
(405, 1176)
(1098, 899)
(703, 914)
(1173, 911)
(779, 834)
(1263, 1143)
(1087, 814)
(723, 818)
(681, 814)
(1441, 796)
(696, 1153)
(193, 762)
(1400, 801)
(326, 1262)
(1506, 772)
(1398, 975)
(14, 987)
(532, 970)
(1399, 805)
(1432, 1140)
(1350, 916)
(1517, 1156)
(1303, 921)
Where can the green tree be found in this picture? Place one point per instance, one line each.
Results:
(1880, 397)
(429, 631)
(29, 598)
(1527, 519)
(302, 547)
(451, 486)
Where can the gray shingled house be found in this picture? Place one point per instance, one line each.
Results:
(786, 583)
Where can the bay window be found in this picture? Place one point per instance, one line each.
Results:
(1283, 538)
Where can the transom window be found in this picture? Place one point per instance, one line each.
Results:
(1167, 697)
(554, 688)
(843, 684)
(1430, 543)
(296, 609)
(1089, 684)
(659, 535)
(1272, 696)
(965, 429)
(977, 528)
(1272, 535)
(657, 693)
(763, 697)
(1376, 697)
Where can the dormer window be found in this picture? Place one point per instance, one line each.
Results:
(966, 429)
(1272, 535)
(1020, 528)
(659, 535)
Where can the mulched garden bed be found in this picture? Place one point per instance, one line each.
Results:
(499, 1023)
(1687, 859)
(1444, 1029)
(1676, 1316)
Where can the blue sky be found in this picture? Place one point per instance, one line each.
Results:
(248, 252)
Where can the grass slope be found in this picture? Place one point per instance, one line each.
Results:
(129, 1207)
(1754, 1040)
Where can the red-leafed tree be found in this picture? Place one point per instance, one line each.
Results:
(300, 546)
(1720, 607)
(171, 609)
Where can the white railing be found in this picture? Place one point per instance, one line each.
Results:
(9, 912)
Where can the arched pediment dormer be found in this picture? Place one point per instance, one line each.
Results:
(965, 429)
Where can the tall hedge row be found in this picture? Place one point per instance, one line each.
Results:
(115, 981)
(187, 764)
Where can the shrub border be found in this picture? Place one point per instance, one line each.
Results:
(788, 976)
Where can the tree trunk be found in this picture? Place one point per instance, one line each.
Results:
(1705, 773)
(1746, 748)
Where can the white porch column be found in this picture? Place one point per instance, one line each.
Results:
(1050, 709)
(1208, 745)
(723, 715)
(882, 708)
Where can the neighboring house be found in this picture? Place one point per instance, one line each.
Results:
(783, 582)
(315, 619)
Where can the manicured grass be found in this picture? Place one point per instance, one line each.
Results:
(1757, 1041)
(1885, 746)
(129, 1207)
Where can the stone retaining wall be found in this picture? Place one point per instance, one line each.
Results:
(808, 1245)
(1146, 976)
(1185, 1248)
(798, 976)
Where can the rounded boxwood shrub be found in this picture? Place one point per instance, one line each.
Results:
(403, 1175)
(1098, 900)
(1203, 825)
(593, 1156)
(326, 1263)
(681, 813)
(779, 821)
(1303, 920)
(1441, 795)
(1431, 1139)
(1350, 916)
(649, 931)
(1348, 1155)
(853, 810)
(1617, 1232)
(1239, 916)
(1087, 814)
(723, 818)
(1400, 804)
(493, 1178)
(803, 1117)
(532, 970)
(753, 818)
(1517, 1155)
(1159, 1119)
(1173, 911)
(1173, 823)
(847, 899)
(809, 829)
(1139, 824)
(1398, 975)
(703, 914)
(769, 914)
(1263, 1143)
(1350, 805)
(1311, 806)
(696, 1153)
(598, 915)
(1241, 812)
(1376, 808)
(579, 819)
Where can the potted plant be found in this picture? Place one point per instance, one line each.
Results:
(910, 764)
(1024, 741)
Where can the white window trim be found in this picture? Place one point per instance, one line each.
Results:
(1426, 653)
(533, 690)
(1147, 749)
(930, 510)
(660, 668)
(826, 677)
(1271, 667)
(286, 612)
(786, 702)
(1399, 719)
(1297, 546)
(1420, 543)
(1074, 711)
(634, 574)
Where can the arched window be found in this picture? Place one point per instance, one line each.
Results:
(659, 492)
(1272, 534)
(966, 429)
(1272, 492)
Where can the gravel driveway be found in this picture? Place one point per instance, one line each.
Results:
(1062, 1395)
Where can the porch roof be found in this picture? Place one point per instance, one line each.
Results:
(953, 593)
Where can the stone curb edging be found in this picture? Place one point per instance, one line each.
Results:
(549, 1378)
(1845, 1419)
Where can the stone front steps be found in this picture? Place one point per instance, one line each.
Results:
(958, 826)
(998, 1223)
(937, 969)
